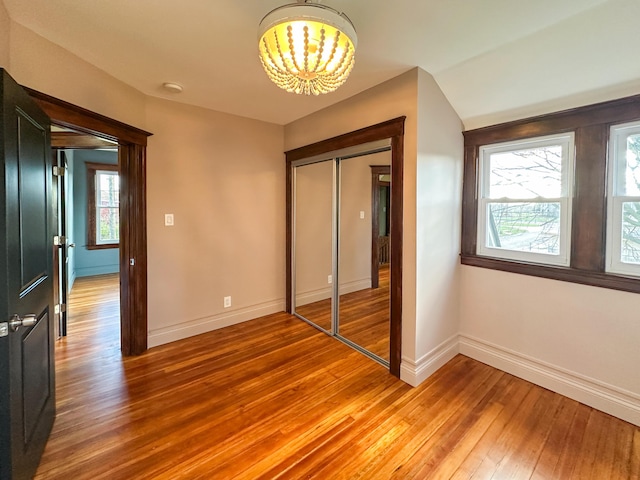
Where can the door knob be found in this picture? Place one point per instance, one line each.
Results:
(28, 320)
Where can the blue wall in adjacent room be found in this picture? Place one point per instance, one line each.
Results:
(89, 262)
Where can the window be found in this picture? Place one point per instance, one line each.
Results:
(572, 216)
(524, 209)
(623, 229)
(103, 215)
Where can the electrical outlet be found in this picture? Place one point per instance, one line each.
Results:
(168, 219)
(361, 213)
(330, 279)
(227, 302)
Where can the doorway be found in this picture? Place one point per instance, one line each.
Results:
(380, 222)
(132, 144)
(87, 200)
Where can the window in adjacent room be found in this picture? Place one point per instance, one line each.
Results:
(524, 200)
(623, 225)
(103, 194)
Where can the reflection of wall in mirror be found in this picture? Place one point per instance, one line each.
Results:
(313, 222)
(355, 233)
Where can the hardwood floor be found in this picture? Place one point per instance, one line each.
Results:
(275, 398)
(364, 316)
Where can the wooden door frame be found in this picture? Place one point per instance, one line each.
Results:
(376, 171)
(391, 129)
(132, 146)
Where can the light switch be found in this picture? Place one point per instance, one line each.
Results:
(168, 219)
(361, 213)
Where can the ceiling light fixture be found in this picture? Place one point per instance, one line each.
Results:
(307, 48)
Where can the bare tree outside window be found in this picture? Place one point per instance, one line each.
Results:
(631, 210)
(532, 180)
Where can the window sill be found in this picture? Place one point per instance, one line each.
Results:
(103, 246)
(564, 274)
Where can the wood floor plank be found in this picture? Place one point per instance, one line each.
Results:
(274, 398)
(569, 457)
(634, 455)
(555, 442)
(364, 315)
(511, 400)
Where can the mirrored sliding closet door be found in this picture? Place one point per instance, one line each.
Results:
(340, 255)
(364, 260)
(313, 232)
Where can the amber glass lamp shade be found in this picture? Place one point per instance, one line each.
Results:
(307, 48)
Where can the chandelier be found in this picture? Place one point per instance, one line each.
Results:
(307, 48)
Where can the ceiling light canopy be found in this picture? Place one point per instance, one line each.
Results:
(307, 48)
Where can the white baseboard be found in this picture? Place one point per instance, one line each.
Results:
(355, 286)
(312, 296)
(414, 373)
(599, 395)
(96, 270)
(202, 325)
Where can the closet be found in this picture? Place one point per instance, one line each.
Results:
(341, 243)
(345, 238)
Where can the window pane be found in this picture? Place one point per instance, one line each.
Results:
(526, 173)
(108, 189)
(630, 180)
(108, 225)
(525, 227)
(630, 232)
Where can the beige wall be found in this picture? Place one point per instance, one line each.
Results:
(39, 64)
(222, 177)
(438, 212)
(355, 232)
(5, 26)
(313, 231)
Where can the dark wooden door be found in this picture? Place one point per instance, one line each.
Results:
(27, 376)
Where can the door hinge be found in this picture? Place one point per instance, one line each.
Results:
(59, 240)
(4, 329)
(59, 308)
(58, 171)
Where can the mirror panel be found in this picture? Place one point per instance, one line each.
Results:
(313, 243)
(364, 269)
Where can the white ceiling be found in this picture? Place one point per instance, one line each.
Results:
(493, 59)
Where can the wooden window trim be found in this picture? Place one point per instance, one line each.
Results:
(591, 125)
(92, 168)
